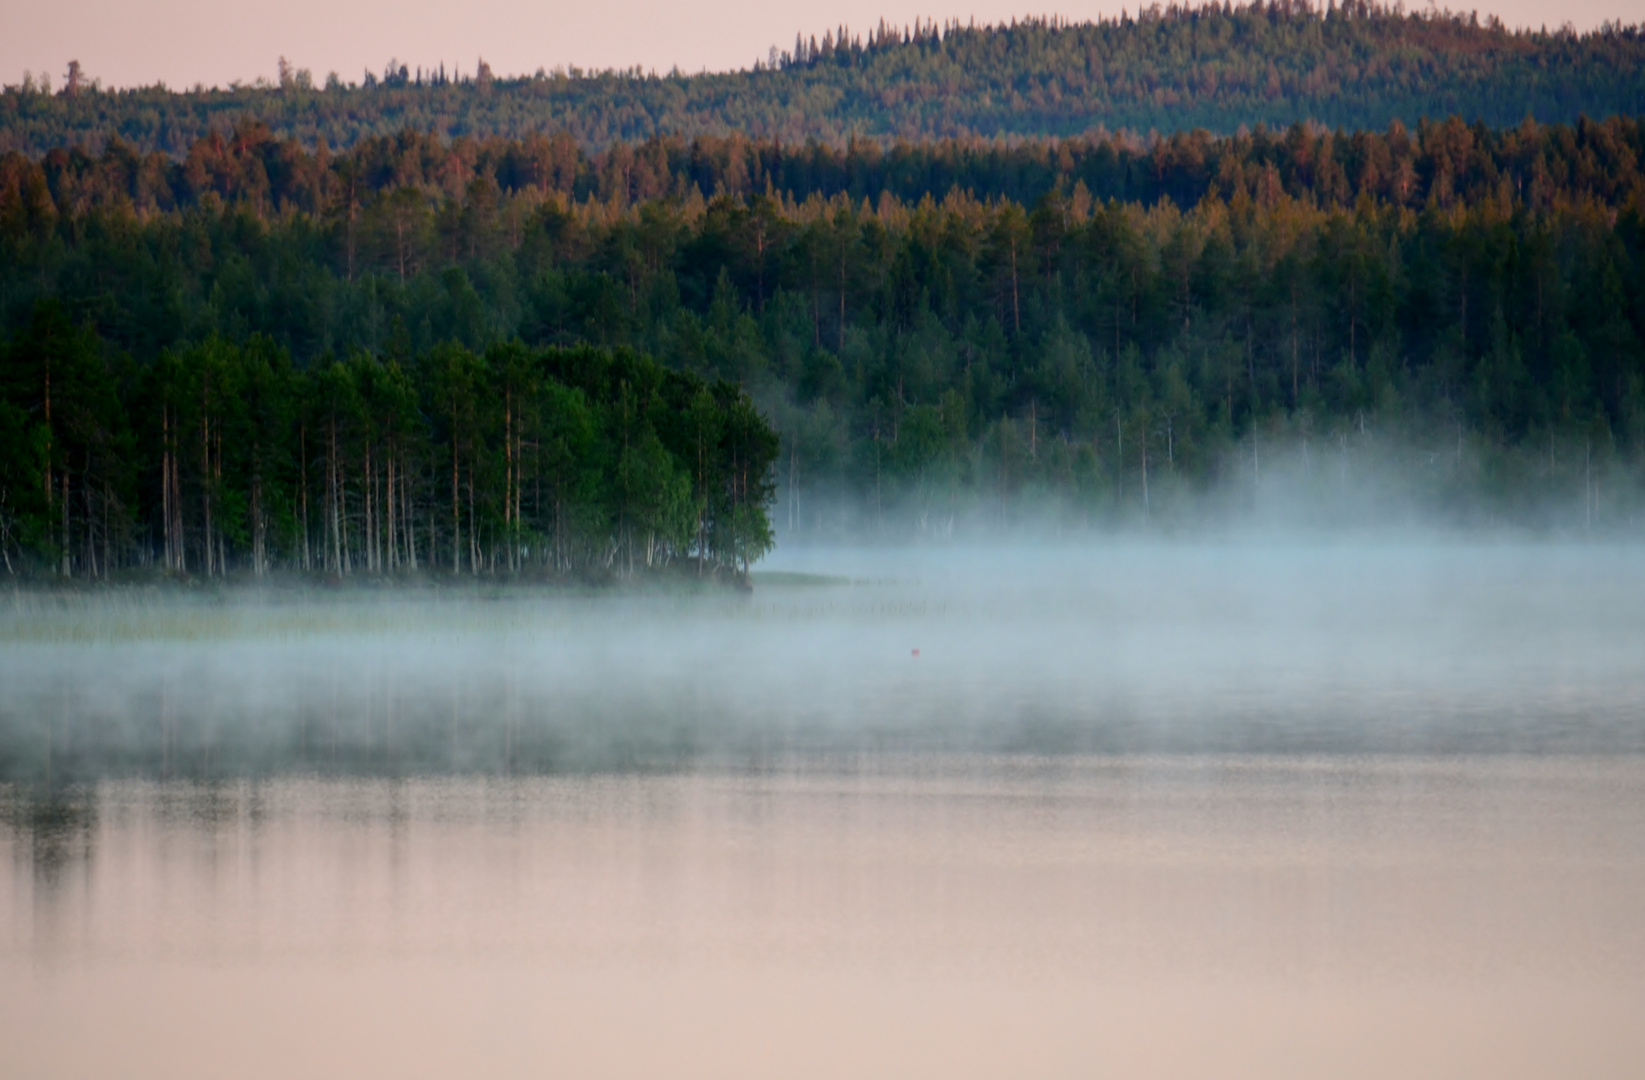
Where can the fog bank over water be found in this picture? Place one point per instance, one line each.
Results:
(1270, 646)
(1247, 808)
(1286, 485)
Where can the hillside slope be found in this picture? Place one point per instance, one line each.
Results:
(1355, 66)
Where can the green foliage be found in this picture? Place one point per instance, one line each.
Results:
(222, 456)
(277, 374)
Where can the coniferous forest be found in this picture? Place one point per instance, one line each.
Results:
(262, 351)
(1220, 67)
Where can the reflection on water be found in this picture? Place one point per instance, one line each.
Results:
(962, 915)
(1170, 812)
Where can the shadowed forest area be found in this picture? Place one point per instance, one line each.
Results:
(224, 456)
(409, 355)
(590, 358)
(1222, 68)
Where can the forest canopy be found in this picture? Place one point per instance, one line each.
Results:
(223, 455)
(1221, 68)
(424, 352)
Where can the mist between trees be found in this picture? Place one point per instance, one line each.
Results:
(366, 362)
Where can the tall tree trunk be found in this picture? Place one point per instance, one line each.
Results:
(67, 560)
(334, 500)
(519, 521)
(205, 487)
(508, 473)
(473, 539)
(410, 512)
(108, 503)
(165, 484)
(456, 517)
(367, 546)
(257, 554)
(179, 534)
(87, 497)
(1146, 508)
(302, 467)
(50, 481)
(389, 509)
(217, 485)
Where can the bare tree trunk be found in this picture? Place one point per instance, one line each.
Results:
(5, 535)
(217, 484)
(389, 492)
(508, 473)
(165, 484)
(108, 553)
(258, 567)
(456, 519)
(411, 527)
(519, 520)
(368, 492)
(178, 532)
(1146, 507)
(205, 487)
(342, 518)
(473, 540)
(702, 514)
(68, 562)
(51, 485)
(334, 500)
(91, 520)
(1119, 456)
(308, 563)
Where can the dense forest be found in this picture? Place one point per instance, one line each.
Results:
(223, 456)
(1220, 68)
(433, 353)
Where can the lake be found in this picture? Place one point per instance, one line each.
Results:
(1177, 810)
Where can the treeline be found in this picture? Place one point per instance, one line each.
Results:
(1218, 67)
(469, 194)
(222, 457)
(1472, 301)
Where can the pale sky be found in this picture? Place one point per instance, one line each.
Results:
(182, 42)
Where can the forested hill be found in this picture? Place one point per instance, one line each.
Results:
(423, 353)
(1354, 66)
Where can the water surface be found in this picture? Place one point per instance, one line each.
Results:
(1236, 811)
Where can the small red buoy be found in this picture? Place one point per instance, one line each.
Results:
(916, 654)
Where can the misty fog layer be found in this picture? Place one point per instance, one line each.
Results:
(1144, 647)
(1256, 808)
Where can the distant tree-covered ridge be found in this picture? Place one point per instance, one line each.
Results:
(261, 356)
(1442, 164)
(1220, 68)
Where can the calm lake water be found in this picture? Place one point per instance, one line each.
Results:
(1177, 811)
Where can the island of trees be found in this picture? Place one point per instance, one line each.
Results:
(223, 456)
